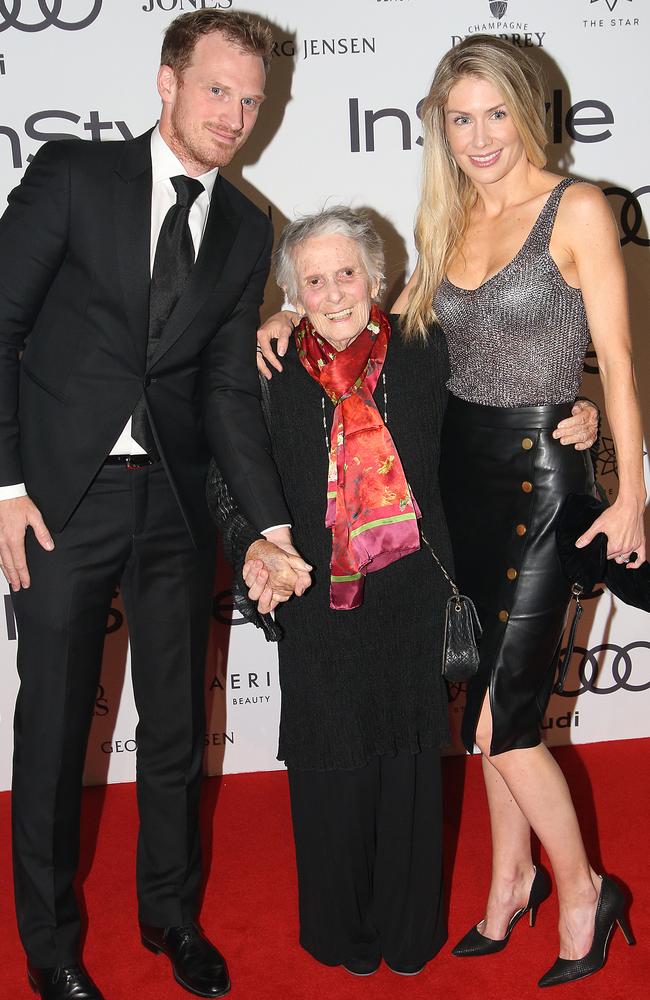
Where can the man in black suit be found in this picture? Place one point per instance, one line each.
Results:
(137, 365)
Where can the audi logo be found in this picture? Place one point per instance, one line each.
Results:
(47, 15)
(631, 214)
(624, 660)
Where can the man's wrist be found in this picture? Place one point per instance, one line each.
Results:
(13, 492)
(279, 534)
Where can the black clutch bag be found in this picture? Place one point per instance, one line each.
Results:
(586, 567)
(460, 655)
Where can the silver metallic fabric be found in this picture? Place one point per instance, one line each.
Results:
(519, 339)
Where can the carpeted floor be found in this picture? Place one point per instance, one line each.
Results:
(250, 897)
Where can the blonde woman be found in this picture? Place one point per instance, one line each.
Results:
(512, 260)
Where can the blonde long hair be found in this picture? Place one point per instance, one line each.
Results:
(447, 194)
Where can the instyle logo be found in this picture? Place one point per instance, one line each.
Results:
(607, 668)
(585, 121)
(36, 15)
(94, 127)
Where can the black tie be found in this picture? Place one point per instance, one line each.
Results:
(172, 264)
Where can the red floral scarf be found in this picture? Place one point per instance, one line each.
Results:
(370, 509)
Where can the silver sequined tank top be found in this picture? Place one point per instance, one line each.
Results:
(520, 338)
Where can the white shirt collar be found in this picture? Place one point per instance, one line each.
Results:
(164, 164)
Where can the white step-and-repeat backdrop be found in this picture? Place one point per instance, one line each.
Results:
(341, 125)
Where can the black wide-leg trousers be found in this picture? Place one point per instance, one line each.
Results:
(128, 530)
(369, 858)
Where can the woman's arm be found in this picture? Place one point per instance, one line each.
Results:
(593, 242)
(399, 305)
(278, 327)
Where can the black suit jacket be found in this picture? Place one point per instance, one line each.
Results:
(74, 298)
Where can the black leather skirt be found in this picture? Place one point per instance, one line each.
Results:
(503, 479)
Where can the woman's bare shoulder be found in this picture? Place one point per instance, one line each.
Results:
(583, 198)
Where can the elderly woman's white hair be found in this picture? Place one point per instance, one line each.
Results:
(339, 220)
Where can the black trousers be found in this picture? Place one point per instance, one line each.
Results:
(128, 530)
(369, 856)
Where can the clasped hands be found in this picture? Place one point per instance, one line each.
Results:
(274, 571)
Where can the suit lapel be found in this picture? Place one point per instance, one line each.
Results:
(132, 188)
(221, 229)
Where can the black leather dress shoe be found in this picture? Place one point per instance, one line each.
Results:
(198, 966)
(65, 982)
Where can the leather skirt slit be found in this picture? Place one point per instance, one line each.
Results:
(503, 479)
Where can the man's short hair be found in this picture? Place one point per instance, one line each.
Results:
(242, 30)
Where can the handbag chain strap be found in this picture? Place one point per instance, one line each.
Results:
(451, 583)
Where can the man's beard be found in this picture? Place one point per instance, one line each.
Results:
(209, 155)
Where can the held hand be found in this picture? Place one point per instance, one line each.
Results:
(623, 525)
(15, 517)
(256, 578)
(288, 574)
(278, 327)
(581, 429)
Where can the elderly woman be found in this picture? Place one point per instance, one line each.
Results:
(355, 425)
(511, 263)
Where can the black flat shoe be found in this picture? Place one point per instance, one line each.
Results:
(474, 943)
(406, 970)
(361, 968)
(64, 982)
(610, 910)
(197, 965)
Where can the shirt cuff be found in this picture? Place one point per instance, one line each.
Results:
(13, 492)
(264, 530)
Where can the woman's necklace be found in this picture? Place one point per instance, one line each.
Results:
(322, 403)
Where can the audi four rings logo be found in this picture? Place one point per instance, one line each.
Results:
(624, 659)
(631, 215)
(45, 14)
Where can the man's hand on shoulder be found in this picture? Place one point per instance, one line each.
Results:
(16, 516)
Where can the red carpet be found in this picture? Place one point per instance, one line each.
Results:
(250, 900)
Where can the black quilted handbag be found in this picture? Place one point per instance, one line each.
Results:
(460, 655)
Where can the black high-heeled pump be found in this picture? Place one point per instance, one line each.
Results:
(610, 909)
(474, 943)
